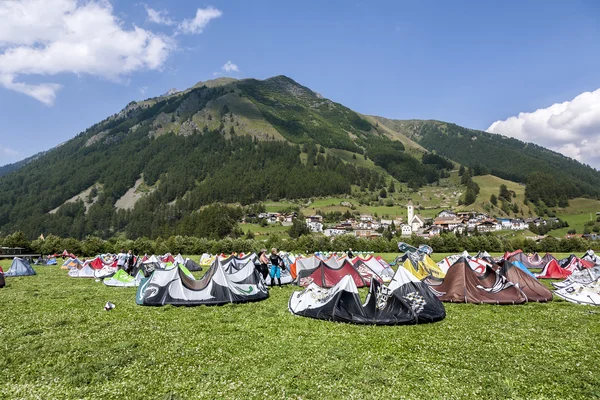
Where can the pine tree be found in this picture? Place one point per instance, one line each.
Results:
(298, 229)
(504, 193)
(392, 187)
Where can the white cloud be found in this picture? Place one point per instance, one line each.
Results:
(8, 151)
(158, 16)
(49, 37)
(199, 22)
(571, 128)
(230, 67)
(143, 89)
(44, 92)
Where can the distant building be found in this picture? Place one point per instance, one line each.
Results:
(315, 226)
(505, 222)
(406, 230)
(386, 223)
(367, 233)
(447, 223)
(486, 226)
(366, 218)
(273, 218)
(447, 214)
(434, 230)
(314, 218)
(331, 232)
(518, 225)
(415, 222)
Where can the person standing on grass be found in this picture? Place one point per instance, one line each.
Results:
(263, 261)
(130, 261)
(121, 259)
(276, 263)
(350, 253)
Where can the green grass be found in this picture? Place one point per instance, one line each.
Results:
(508, 233)
(359, 161)
(490, 184)
(59, 343)
(264, 230)
(577, 214)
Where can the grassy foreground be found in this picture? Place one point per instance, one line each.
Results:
(58, 343)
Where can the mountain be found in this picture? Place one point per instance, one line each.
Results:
(8, 168)
(148, 169)
(550, 176)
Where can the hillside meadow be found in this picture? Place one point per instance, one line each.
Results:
(59, 343)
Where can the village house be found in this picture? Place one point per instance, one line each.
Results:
(314, 218)
(315, 226)
(385, 223)
(518, 225)
(486, 226)
(367, 233)
(506, 223)
(366, 218)
(332, 232)
(314, 223)
(433, 230)
(447, 223)
(460, 228)
(447, 214)
(466, 215)
(273, 218)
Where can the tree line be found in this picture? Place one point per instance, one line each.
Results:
(446, 243)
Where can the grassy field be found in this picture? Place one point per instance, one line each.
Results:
(488, 185)
(264, 230)
(59, 343)
(577, 214)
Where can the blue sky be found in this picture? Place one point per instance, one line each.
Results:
(468, 62)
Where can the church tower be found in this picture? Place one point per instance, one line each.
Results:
(411, 212)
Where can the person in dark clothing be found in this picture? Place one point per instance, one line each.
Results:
(263, 262)
(276, 263)
(130, 262)
(350, 253)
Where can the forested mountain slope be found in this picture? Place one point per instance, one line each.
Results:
(550, 176)
(225, 140)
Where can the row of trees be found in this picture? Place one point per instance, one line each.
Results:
(446, 243)
(550, 225)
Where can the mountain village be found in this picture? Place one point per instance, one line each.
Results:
(371, 226)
